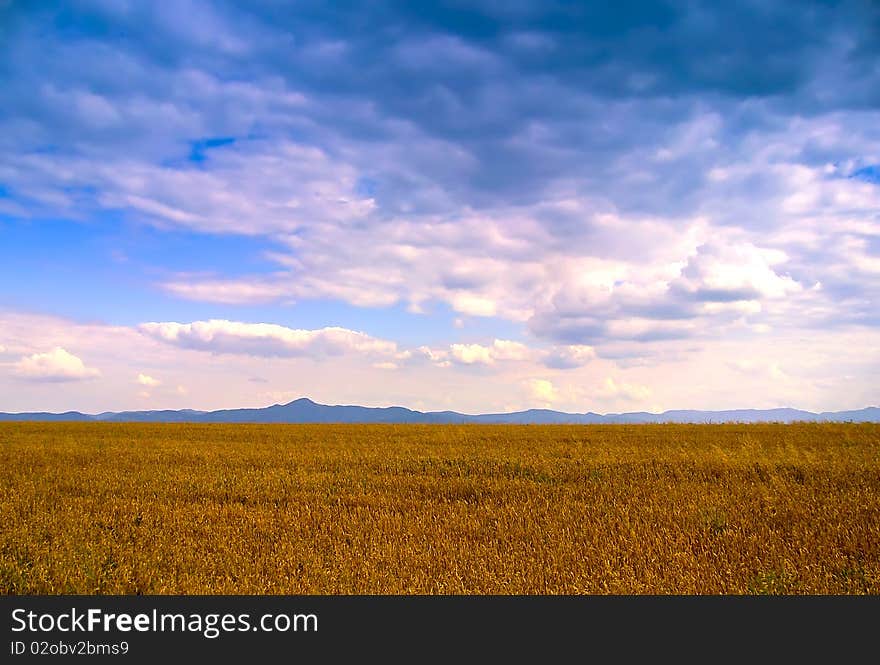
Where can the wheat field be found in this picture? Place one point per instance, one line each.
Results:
(99, 508)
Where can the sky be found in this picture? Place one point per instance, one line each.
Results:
(479, 206)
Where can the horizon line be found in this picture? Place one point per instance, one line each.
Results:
(439, 411)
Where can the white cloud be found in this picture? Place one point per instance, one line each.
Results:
(55, 365)
(503, 349)
(266, 339)
(146, 380)
(473, 305)
(543, 391)
(826, 370)
(472, 354)
(500, 350)
(731, 272)
(560, 263)
(613, 390)
(282, 184)
(436, 356)
(764, 370)
(567, 357)
(229, 292)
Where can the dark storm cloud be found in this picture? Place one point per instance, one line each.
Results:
(571, 77)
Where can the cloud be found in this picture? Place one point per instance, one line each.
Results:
(503, 349)
(568, 357)
(266, 339)
(437, 356)
(569, 177)
(612, 389)
(473, 305)
(543, 391)
(230, 292)
(762, 370)
(827, 370)
(730, 273)
(278, 187)
(646, 184)
(472, 354)
(149, 381)
(500, 350)
(57, 365)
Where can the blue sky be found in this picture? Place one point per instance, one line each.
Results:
(480, 206)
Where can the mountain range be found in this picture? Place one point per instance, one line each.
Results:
(304, 410)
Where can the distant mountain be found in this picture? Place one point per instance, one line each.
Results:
(69, 415)
(305, 410)
(166, 416)
(868, 415)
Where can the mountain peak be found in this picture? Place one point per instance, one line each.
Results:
(302, 401)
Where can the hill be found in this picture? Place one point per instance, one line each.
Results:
(304, 410)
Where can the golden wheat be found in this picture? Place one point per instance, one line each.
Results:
(100, 508)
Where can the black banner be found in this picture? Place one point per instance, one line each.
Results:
(412, 628)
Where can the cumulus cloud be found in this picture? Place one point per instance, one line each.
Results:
(472, 354)
(474, 305)
(499, 350)
(826, 370)
(57, 365)
(730, 273)
(230, 292)
(612, 389)
(148, 381)
(543, 390)
(568, 357)
(266, 339)
(439, 357)
(762, 369)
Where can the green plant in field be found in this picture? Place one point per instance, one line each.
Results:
(773, 582)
